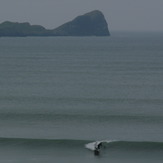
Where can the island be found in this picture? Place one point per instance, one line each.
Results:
(89, 24)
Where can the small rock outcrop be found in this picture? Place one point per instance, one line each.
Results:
(21, 29)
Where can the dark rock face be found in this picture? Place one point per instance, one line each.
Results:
(21, 29)
(90, 24)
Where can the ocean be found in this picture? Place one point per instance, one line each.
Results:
(58, 94)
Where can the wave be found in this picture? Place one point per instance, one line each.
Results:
(80, 117)
(73, 143)
(68, 100)
(136, 145)
(42, 142)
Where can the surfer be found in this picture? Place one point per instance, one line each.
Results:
(96, 151)
(97, 148)
(99, 145)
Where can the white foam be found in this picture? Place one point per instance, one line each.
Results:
(91, 146)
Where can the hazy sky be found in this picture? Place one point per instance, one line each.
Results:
(145, 15)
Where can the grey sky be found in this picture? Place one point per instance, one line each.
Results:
(145, 15)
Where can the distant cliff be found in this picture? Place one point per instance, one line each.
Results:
(89, 24)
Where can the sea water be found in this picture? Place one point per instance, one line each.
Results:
(58, 94)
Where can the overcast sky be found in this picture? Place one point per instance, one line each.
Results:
(145, 15)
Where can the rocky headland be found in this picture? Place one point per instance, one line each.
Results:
(89, 24)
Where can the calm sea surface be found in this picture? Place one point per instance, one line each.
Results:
(59, 93)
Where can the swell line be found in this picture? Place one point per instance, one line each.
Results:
(74, 143)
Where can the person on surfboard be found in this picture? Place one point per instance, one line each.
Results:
(97, 148)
